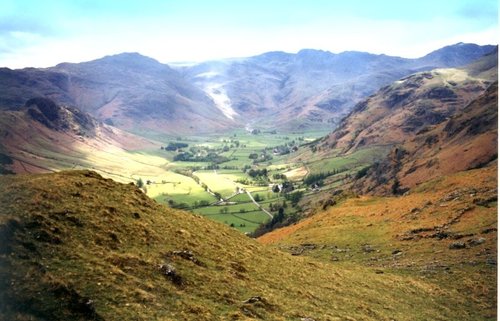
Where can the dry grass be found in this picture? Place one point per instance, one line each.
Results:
(77, 246)
(370, 231)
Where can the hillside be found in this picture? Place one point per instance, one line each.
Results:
(444, 231)
(310, 89)
(42, 136)
(77, 246)
(431, 123)
(467, 140)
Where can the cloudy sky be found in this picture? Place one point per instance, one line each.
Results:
(43, 33)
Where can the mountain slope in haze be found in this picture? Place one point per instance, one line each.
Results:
(42, 136)
(127, 90)
(313, 87)
(77, 246)
(429, 118)
(310, 89)
(444, 231)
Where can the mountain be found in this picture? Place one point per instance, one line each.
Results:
(310, 89)
(431, 119)
(76, 246)
(444, 231)
(42, 136)
(464, 141)
(128, 90)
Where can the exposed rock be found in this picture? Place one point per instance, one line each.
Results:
(489, 230)
(457, 246)
(170, 273)
(254, 299)
(299, 249)
(367, 248)
(476, 242)
(491, 261)
(308, 246)
(186, 255)
(485, 202)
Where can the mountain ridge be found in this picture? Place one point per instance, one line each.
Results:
(309, 89)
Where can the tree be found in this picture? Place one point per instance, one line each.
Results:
(295, 197)
(140, 183)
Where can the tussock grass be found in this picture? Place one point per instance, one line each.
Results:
(413, 235)
(78, 246)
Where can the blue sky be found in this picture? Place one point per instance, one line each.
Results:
(43, 33)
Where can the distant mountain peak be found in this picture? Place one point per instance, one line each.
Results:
(458, 54)
(130, 57)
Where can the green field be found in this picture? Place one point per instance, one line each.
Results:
(217, 164)
(361, 157)
(243, 216)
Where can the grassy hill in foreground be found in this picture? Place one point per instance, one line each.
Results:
(443, 231)
(77, 246)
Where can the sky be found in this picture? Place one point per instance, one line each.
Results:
(43, 33)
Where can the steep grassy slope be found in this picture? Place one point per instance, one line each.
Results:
(444, 231)
(467, 140)
(43, 136)
(399, 111)
(77, 246)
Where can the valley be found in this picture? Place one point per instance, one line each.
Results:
(240, 190)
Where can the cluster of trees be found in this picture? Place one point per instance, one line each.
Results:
(201, 203)
(258, 198)
(257, 172)
(174, 204)
(312, 179)
(284, 149)
(362, 172)
(279, 176)
(233, 143)
(276, 206)
(294, 197)
(210, 157)
(264, 157)
(174, 146)
(279, 220)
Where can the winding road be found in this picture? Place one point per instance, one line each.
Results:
(242, 189)
(258, 205)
